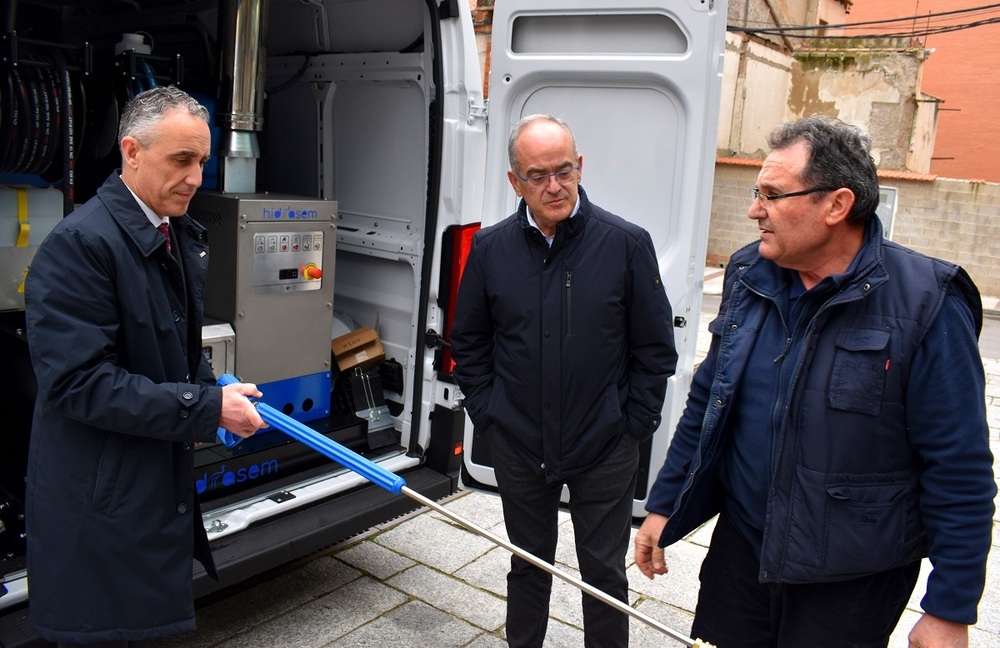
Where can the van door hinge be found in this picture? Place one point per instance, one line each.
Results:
(448, 9)
(478, 110)
(435, 341)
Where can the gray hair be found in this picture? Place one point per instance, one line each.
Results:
(141, 116)
(839, 156)
(523, 125)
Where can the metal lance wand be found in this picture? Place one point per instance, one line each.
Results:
(396, 485)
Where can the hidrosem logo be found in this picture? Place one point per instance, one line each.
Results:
(289, 214)
(223, 478)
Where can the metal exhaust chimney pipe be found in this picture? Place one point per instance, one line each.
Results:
(243, 67)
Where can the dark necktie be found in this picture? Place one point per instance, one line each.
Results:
(165, 230)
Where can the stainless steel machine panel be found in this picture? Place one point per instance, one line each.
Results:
(270, 276)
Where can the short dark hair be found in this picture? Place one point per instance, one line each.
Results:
(839, 156)
(142, 114)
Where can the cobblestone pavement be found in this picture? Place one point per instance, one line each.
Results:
(425, 582)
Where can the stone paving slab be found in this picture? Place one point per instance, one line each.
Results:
(326, 619)
(478, 607)
(375, 559)
(482, 573)
(414, 625)
(435, 542)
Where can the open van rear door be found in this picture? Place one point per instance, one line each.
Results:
(640, 86)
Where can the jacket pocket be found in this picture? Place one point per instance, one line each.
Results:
(859, 365)
(588, 436)
(640, 425)
(497, 402)
(106, 477)
(865, 526)
(502, 413)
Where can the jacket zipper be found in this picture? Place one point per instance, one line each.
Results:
(784, 407)
(569, 302)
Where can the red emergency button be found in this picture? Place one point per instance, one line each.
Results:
(313, 272)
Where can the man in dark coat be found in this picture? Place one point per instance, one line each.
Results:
(564, 344)
(114, 315)
(837, 425)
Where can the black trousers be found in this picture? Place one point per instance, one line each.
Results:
(106, 644)
(601, 510)
(736, 611)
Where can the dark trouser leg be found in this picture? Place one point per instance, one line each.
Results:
(530, 511)
(601, 507)
(105, 644)
(859, 613)
(733, 609)
(736, 611)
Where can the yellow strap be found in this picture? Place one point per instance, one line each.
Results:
(24, 277)
(22, 218)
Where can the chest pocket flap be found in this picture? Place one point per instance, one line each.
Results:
(859, 365)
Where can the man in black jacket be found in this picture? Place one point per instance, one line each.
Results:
(563, 342)
(114, 317)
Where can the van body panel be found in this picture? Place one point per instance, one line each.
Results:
(389, 137)
(378, 107)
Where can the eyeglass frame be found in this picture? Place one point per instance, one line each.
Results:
(543, 178)
(764, 198)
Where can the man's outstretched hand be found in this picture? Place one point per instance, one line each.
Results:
(648, 555)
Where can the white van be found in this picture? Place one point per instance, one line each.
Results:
(367, 124)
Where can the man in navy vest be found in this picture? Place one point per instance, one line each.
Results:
(837, 425)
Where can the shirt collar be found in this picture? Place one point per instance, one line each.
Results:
(150, 214)
(531, 219)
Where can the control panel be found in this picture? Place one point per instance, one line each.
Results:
(287, 261)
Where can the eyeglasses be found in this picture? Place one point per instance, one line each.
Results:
(563, 177)
(757, 194)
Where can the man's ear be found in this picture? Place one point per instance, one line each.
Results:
(513, 182)
(841, 203)
(130, 151)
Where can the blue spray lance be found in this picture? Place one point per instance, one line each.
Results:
(396, 485)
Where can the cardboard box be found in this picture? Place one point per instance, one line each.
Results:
(360, 348)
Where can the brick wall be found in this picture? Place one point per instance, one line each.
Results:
(482, 15)
(482, 24)
(955, 220)
(730, 228)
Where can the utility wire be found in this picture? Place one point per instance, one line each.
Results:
(928, 29)
(884, 21)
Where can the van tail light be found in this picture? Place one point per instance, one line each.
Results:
(457, 244)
